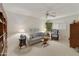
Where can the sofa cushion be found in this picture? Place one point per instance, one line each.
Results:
(38, 34)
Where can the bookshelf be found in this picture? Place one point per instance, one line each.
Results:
(3, 35)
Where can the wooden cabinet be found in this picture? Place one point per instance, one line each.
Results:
(3, 34)
(74, 35)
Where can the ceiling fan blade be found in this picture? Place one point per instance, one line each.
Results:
(52, 15)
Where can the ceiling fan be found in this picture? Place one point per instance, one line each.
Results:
(50, 14)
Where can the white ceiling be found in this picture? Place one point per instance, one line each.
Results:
(39, 9)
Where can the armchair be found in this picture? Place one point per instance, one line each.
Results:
(55, 34)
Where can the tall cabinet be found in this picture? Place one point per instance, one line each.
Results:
(3, 35)
(74, 35)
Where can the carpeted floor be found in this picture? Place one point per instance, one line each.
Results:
(55, 48)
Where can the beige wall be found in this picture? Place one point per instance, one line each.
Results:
(18, 22)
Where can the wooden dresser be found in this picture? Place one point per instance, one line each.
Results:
(74, 35)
